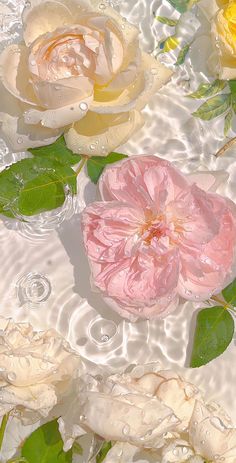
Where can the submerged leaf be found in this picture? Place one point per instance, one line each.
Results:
(228, 122)
(207, 90)
(213, 107)
(167, 21)
(103, 452)
(182, 55)
(34, 185)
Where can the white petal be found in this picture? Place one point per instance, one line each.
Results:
(19, 135)
(177, 451)
(209, 8)
(14, 73)
(134, 418)
(99, 134)
(15, 434)
(121, 453)
(64, 92)
(210, 435)
(47, 15)
(60, 117)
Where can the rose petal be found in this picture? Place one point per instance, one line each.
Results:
(15, 75)
(110, 229)
(147, 181)
(98, 135)
(42, 16)
(59, 117)
(205, 424)
(151, 76)
(209, 181)
(19, 135)
(127, 418)
(64, 92)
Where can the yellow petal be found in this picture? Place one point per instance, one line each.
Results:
(100, 134)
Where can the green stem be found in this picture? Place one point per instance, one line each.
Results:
(3, 428)
(223, 303)
(81, 165)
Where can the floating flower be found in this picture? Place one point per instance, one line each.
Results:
(36, 370)
(156, 236)
(79, 71)
(141, 412)
(224, 35)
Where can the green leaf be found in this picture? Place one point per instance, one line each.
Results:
(213, 107)
(232, 86)
(182, 55)
(214, 332)
(34, 185)
(103, 452)
(229, 293)
(57, 151)
(180, 5)
(228, 122)
(206, 90)
(96, 164)
(167, 21)
(45, 446)
(77, 449)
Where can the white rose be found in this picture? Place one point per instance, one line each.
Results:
(79, 71)
(36, 370)
(118, 409)
(212, 434)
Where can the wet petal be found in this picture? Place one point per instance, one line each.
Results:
(99, 135)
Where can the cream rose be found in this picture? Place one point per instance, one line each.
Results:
(224, 36)
(150, 415)
(36, 370)
(80, 72)
(138, 409)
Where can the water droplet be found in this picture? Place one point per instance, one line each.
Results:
(154, 71)
(33, 62)
(27, 4)
(188, 292)
(11, 376)
(202, 442)
(82, 417)
(184, 450)
(72, 108)
(92, 146)
(102, 6)
(105, 338)
(126, 430)
(57, 87)
(20, 140)
(83, 106)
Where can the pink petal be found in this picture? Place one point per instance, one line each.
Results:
(147, 181)
(110, 229)
(143, 283)
(206, 271)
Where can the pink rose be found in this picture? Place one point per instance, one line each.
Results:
(156, 236)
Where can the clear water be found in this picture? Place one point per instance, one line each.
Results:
(44, 275)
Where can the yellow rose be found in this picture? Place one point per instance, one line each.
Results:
(80, 71)
(224, 34)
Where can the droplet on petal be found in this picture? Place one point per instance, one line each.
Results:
(83, 106)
